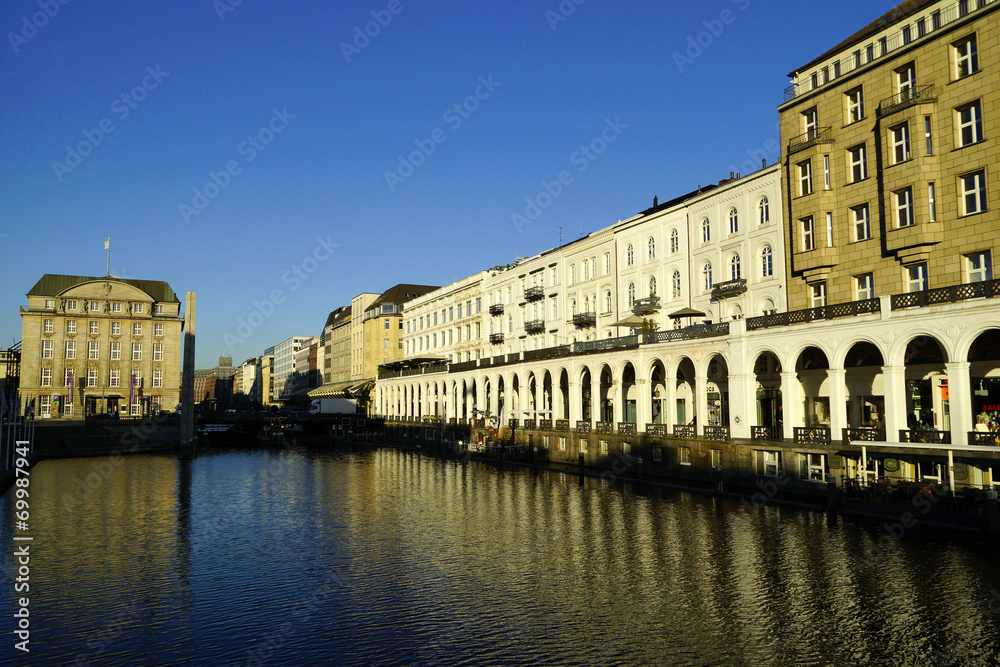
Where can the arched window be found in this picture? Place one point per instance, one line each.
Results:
(734, 221)
(765, 211)
(586, 304)
(573, 308)
(586, 271)
(651, 248)
(706, 231)
(736, 312)
(510, 324)
(607, 301)
(629, 255)
(734, 266)
(766, 263)
(706, 273)
(675, 284)
(631, 294)
(652, 286)
(675, 241)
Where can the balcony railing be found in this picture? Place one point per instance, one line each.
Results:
(606, 344)
(766, 433)
(626, 428)
(822, 135)
(528, 424)
(649, 304)
(583, 427)
(865, 434)
(656, 430)
(547, 353)
(534, 326)
(687, 333)
(562, 424)
(496, 309)
(953, 294)
(719, 433)
(849, 309)
(812, 435)
(604, 427)
(534, 293)
(545, 424)
(729, 289)
(929, 436)
(685, 432)
(584, 320)
(906, 98)
(496, 339)
(984, 439)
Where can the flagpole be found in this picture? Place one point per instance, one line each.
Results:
(107, 247)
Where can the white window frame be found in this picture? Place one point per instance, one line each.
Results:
(158, 327)
(764, 210)
(966, 55)
(734, 221)
(899, 139)
(818, 294)
(136, 351)
(93, 327)
(805, 178)
(858, 161)
(807, 227)
(158, 351)
(71, 326)
(706, 274)
(973, 192)
(114, 377)
(916, 277)
(675, 241)
(48, 326)
(93, 350)
(767, 261)
(862, 223)
(812, 467)
(46, 378)
(979, 267)
(969, 121)
(706, 230)
(91, 377)
(864, 287)
(115, 351)
(70, 349)
(855, 105)
(903, 205)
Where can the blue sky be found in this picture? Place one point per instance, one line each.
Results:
(277, 160)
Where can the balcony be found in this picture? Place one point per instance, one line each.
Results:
(650, 304)
(622, 342)
(850, 309)
(534, 326)
(822, 135)
(906, 98)
(584, 320)
(496, 309)
(534, 294)
(729, 289)
(496, 339)
(951, 294)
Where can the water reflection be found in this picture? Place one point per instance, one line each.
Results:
(298, 557)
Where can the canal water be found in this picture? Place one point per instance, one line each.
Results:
(297, 557)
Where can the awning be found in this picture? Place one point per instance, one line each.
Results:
(633, 322)
(333, 390)
(686, 312)
(413, 362)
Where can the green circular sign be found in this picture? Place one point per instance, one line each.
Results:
(891, 465)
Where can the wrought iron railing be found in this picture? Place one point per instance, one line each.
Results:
(545, 424)
(656, 430)
(603, 427)
(866, 434)
(649, 304)
(463, 366)
(905, 98)
(534, 326)
(626, 428)
(686, 432)
(766, 433)
(584, 320)
(513, 423)
(562, 424)
(849, 309)
(496, 309)
(528, 423)
(821, 135)
(496, 339)
(991, 439)
(534, 293)
(606, 344)
(925, 435)
(730, 288)
(687, 333)
(720, 433)
(547, 353)
(812, 435)
(583, 427)
(950, 294)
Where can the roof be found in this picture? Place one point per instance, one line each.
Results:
(337, 317)
(402, 293)
(899, 13)
(52, 284)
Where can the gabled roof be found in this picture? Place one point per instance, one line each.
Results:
(52, 284)
(401, 294)
(338, 317)
(899, 13)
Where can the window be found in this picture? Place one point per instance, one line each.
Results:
(932, 206)
(157, 378)
(829, 230)
(629, 255)
(935, 19)
(706, 274)
(978, 267)
(607, 263)
(386, 324)
(684, 456)
(47, 326)
(864, 287)
(921, 28)
(805, 178)
(114, 378)
(583, 446)
(586, 271)
(734, 221)
(808, 240)
(862, 223)
(675, 241)
(706, 230)
(158, 329)
(734, 267)
(818, 295)
(826, 172)
(631, 294)
(809, 123)
(385, 343)
(769, 463)
(651, 248)
(46, 377)
(904, 207)
(963, 7)
(93, 327)
(916, 277)
(68, 377)
(136, 351)
(929, 145)
(137, 328)
(137, 308)
(675, 284)
(71, 304)
(116, 351)
(116, 307)
(906, 82)
(572, 274)
(899, 138)
(764, 211)
(50, 303)
(855, 105)
(966, 57)
(907, 34)
(858, 163)
(71, 326)
(158, 309)
(91, 377)
(652, 286)
(973, 189)
(71, 349)
(93, 349)
(766, 262)
(970, 124)
(158, 351)
(812, 467)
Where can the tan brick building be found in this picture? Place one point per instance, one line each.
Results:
(890, 157)
(116, 341)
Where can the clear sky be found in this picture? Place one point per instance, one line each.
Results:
(277, 160)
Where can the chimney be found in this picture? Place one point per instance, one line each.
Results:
(763, 163)
(655, 201)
